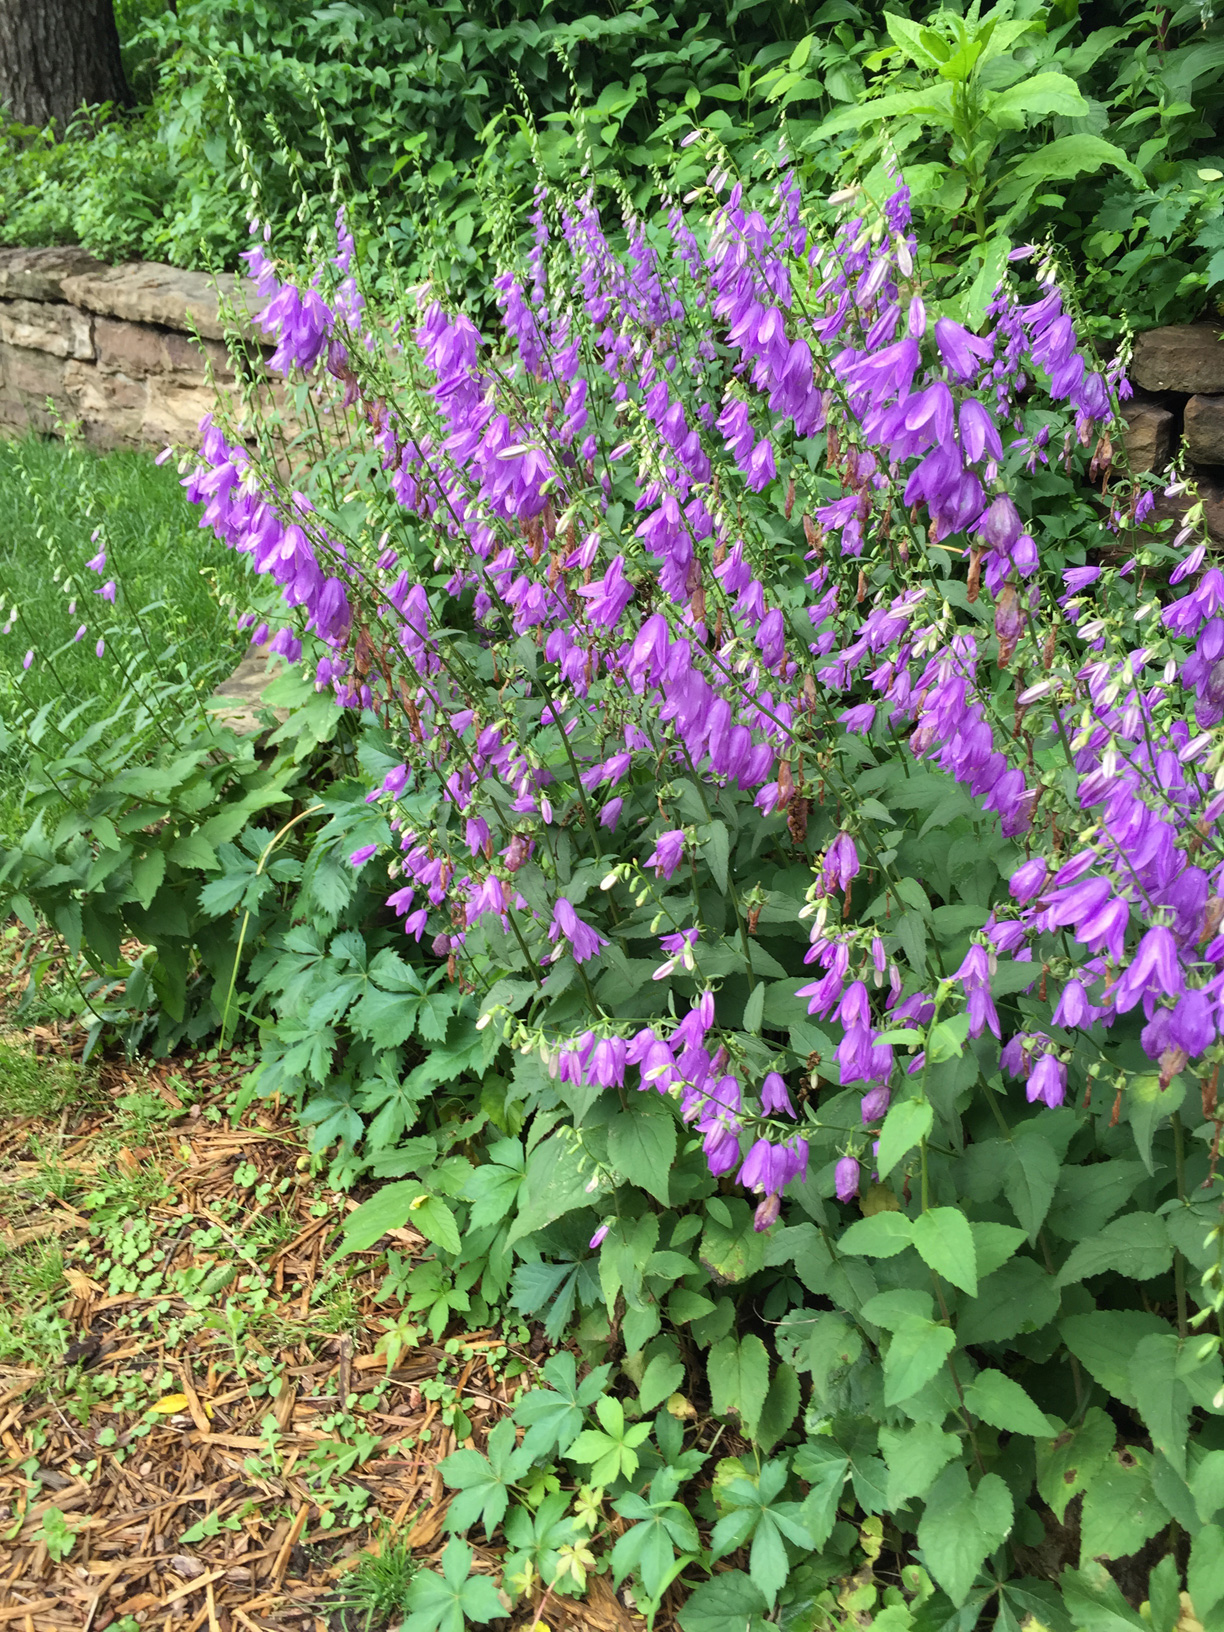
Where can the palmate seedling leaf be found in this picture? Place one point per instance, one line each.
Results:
(483, 1483)
(1001, 1402)
(961, 1527)
(1067, 1462)
(945, 1242)
(444, 1603)
(729, 1602)
(1120, 1510)
(553, 1416)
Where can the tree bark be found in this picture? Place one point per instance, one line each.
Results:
(56, 55)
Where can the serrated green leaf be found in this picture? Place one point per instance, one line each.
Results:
(1001, 1402)
(945, 1242)
(907, 1124)
(961, 1527)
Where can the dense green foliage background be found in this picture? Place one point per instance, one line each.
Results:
(436, 116)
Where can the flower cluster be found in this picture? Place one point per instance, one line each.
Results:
(608, 488)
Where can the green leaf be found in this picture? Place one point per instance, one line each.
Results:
(642, 1143)
(918, 1349)
(1136, 1245)
(945, 1242)
(387, 1209)
(1029, 1180)
(729, 1602)
(660, 1381)
(906, 1125)
(436, 1223)
(1147, 1106)
(961, 1527)
(883, 1235)
(914, 1457)
(1019, 1297)
(1001, 1402)
(190, 850)
(1095, 1603)
(1205, 1577)
(553, 1184)
(739, 1379)
(1120, 1510)
(995, 1244)
(1066, 1463)
(825, 1467)
(754, 1009)
(483, 1482)
(1067, 157)
(780, 1409)
(1104, 1341)
(443, 1603)
(1207, 1486)
(717, 850)
(147, 874)
(1036, 98)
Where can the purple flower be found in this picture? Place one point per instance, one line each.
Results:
(98, 563)
(774, 1097)
(361, 856)
(610, 814)
(584, 941)
(28, 659)
(1027, 879)
(875, 1103)
(767, 1212)
(1047, 1082)
(962, 352)
(667, 853)
(846, 1178)
(100, 648)
(841, 863)
(597, 1240)
(107, 591)
(1154, 971)
(395, 780)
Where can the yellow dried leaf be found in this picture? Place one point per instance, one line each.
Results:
(80, 1284)
(880, 1198)
(678, 1406)
(169, 1404)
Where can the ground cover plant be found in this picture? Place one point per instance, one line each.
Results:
(792, 756)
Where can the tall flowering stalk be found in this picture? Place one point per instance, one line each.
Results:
(726, 515)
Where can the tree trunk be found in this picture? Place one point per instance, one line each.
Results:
(56, 55)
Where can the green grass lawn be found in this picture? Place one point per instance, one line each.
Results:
(60, 504)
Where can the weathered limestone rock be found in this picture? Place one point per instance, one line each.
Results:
(111, 407)
(1149, 435)
(38, 274)
(1205, 430)
(174, 407)
(145, 292)
(1189, 359)
(238, 701)
(27, 379)
(140, 351)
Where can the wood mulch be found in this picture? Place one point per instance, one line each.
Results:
(277, 1552)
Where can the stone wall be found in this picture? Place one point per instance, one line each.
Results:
(114, 348)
